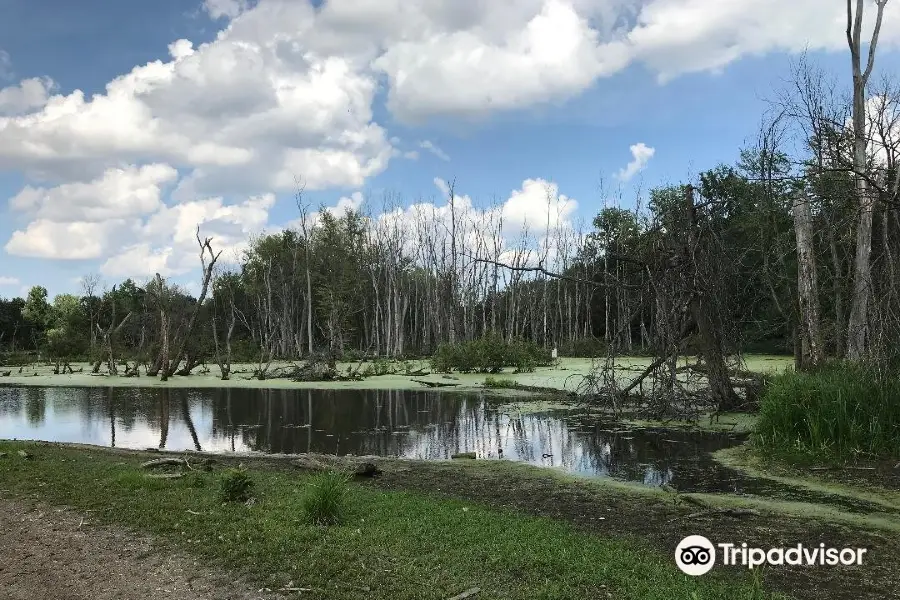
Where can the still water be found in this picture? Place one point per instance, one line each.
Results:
(410, 424)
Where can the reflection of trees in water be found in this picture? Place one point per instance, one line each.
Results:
(386, 422)
(11, 400)
(111, 406)
(186, 415)
(413, 424)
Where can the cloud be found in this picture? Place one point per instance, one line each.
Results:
(641, 154)
(224, 8)
(528, 221)
(286, 92)
(73, 240)
(29, 94)
(347, 204)
(117, 193)
(537, 206)
(4, 280)
(431, 147)
(674, 37)
(503, 56)
(166, 242)
(246, 113)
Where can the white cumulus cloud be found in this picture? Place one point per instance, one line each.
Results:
(27, 95)
(641, 154)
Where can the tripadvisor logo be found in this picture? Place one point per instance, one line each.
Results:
(696, 555)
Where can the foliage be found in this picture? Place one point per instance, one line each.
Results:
(236, 485)
(381, 366)
(66, 320)
(840, 409)
(489, 354)
(326, 498)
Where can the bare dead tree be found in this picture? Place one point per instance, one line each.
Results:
(807, 284)
(89, 285)
(862, 273)
(109, 337)
(224, 300)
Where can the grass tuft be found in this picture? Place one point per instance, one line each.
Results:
(326, 500)
(236, 486)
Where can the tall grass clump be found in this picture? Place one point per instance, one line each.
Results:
(236, 485)
(841, 409)
(500, 383)
(326, 499)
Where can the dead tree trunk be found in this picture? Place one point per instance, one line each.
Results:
(169, 367)
(702, 311)
(807, 285)
(862, 269)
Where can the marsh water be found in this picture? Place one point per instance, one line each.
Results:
(409, 424)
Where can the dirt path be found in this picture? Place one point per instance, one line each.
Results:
(52, 554)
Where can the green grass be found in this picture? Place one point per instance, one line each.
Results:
(840, 410)
(235, 486)
(326, 500)
(500, 383)
(392, 545)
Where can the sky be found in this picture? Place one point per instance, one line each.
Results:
(125, 125)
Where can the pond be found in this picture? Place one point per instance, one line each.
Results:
(409, 424)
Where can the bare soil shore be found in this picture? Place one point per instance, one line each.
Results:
(49, 553)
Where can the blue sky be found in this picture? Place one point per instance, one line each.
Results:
(649, 72)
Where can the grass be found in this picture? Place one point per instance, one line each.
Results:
(326, 500)
(840, 410)
(235, 486)
(500, 383)
(392, 544)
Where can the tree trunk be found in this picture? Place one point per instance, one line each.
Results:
(807, 285)
(857, 331)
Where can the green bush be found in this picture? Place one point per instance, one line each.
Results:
(326, 499)
(840, 409)
(236, 486)
(489, 354)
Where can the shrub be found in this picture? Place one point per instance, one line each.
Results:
(489, 354)
(236, 486)
(326, 498)
(840, 409)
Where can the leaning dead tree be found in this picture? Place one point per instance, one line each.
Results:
(167, 363)
(679, 266)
